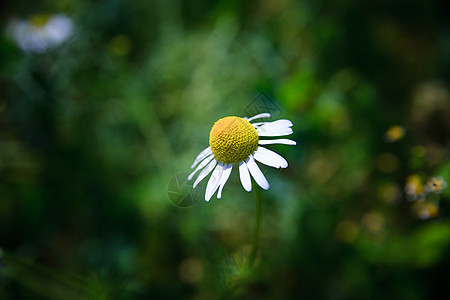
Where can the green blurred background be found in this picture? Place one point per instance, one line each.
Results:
(93, 131)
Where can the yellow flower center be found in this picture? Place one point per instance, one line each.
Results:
(233, 139)
(39, 20)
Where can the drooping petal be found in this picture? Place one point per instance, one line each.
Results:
(270, 158)
(277, 141)
(214, 181)
(245, 176)
(259, 116)
(276, 128)
(205, 172)
(201, 165)
(225, 175)
(257, 174)
(201, 156)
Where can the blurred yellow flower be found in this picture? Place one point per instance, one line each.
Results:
(394, 133)
(425, 210)
(414, 189)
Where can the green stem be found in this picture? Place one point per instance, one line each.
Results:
(255, 242)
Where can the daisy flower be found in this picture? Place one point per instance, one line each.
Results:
(235, 142)
(41, 32)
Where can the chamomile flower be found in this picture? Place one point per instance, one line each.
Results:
(436, 185)
(41, 32)
(235, 142)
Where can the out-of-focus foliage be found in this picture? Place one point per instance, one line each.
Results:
(96, 121)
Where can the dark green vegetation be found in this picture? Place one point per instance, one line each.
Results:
(94, 132)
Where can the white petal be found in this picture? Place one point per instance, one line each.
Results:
(205, 172)
(276, 128)
(274, 132)
(245, 176)
(201, 165)
(277, 141)
(259, 116)
(214, 181)
(201, 156)
(281, 122)
(225, 175)
(256, 173)
(270, 158)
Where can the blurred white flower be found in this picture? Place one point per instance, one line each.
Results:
(41, 32)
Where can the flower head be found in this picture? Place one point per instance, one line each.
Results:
(436, 185)
(234, 141)
(41, 32)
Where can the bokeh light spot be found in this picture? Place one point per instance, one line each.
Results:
(191, 270)
(373, 221)
(347, 231)
(120, 45)
(389, 193)
(387, 162)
